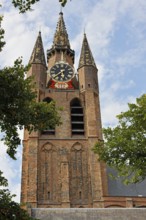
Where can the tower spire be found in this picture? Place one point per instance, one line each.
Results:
(86, 57)
(38, 55)
(61, 41)
(61, 36)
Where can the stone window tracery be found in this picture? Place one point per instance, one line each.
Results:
(48, 174)
(78, 173)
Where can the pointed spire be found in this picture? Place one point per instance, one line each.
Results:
(86, 57)
(61, 36)
(38, 55)
(61, 41)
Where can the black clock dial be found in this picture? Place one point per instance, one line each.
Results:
(61, 72)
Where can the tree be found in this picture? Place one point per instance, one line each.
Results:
(10, 210)
(124, 148)
(26, 5)
(18, 106)
(18, 109)
(2, 42)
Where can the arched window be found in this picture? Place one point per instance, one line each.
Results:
(48, 174)
(48, 130)
(77, 117)
(79, 176)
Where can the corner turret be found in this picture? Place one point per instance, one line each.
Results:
(86, 57)
(38, 56)
(37, 61)
(87, 69)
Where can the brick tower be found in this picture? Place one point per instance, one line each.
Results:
(59, 168)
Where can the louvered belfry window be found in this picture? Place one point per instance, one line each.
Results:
(77, 117)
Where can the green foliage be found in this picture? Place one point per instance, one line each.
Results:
(63, 2)
(18, 106)
(2, 42)
(3, 180)
(10, 210)
(125, 145)
(18, 109)
(25, 5)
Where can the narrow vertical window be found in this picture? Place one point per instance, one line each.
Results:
(77, 117)
(50, 131)
(49, 196)
(80, 195)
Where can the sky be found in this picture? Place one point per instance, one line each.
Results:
(116, 32)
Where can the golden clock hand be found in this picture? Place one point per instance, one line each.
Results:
(59, 73)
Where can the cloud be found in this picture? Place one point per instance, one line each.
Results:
(116, 33)
(11, 170)
(111, 106)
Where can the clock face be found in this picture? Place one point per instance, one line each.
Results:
(61, 72)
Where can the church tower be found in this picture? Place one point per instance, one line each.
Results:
(59, 168)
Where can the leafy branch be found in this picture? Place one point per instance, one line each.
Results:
(26, 5)
(124, 148)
